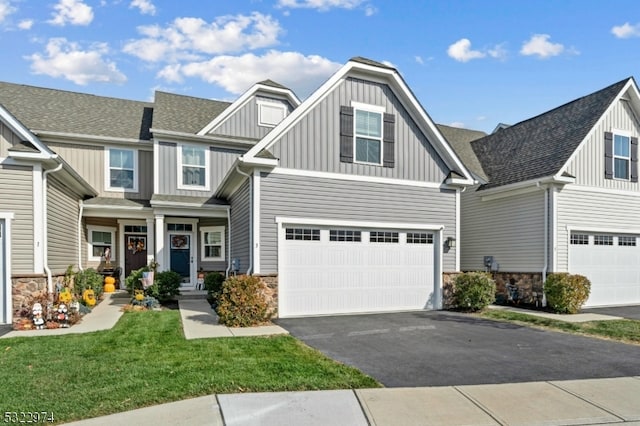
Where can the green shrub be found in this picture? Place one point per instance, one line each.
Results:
(242, 302)
(473, 291)
(167, 285)
(566, 293)
(133, 281)
(213, 283)
(88, 279)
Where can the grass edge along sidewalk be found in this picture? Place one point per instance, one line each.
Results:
(145, 360)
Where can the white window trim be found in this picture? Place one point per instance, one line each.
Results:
(262, 104)
(107, 170)
(357, 106)
(181, 185)
(627, 135)
(205, 229)
(90, 229)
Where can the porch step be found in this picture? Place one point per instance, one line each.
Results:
(192, 295)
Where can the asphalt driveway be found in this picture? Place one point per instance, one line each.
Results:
(439, 348)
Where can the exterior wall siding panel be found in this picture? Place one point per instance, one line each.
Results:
(62, 229)
(511, 229)
(305, 197)
(240, 216)
(7, 139)
(244, 123)
(314, 143)
(16, 196)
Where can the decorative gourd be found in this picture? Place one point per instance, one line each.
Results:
(89, 297)
(109, 285)
(139, 295)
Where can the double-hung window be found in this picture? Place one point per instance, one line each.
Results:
(212, 242)
(121, 169)
(100, 239)
(368, 135)
(621, 156)
(193, 167)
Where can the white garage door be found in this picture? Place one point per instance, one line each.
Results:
(325, 270)
(612, 264)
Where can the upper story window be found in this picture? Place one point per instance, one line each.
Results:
(193, 167)
(367, 135)
(621, 156)
(271, 113)
(121, 169)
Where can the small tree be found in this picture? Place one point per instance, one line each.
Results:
(566, 293)
(242, 302)
(473, 291)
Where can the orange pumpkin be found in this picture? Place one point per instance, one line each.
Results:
(109, 285)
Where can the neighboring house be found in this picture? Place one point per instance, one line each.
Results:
(559, 193)
(346, 202)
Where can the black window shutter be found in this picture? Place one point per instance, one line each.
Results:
(608, 155)
(346, 134)
(634, 159)
(389, 140)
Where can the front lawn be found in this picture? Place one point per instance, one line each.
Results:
(145, 360)
(627, 331)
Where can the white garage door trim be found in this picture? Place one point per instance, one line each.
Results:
(284, 222)
(614, 270)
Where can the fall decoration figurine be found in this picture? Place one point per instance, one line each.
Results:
(38, 318)
(62, 316)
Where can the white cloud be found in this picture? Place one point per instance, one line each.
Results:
(457, 124)
(626, 30)
(67, 60)
(73, 12)
(322, 5)
(498, 52)
(189, 38)
(419, 59)
(5, 9)
(25, 24)
(370, 10)
(461, 51)
(539, 45)
(236, 74)
(146, 6)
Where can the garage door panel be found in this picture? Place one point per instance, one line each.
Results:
(327, 277)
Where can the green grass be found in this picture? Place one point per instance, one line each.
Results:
(627, 331)
(145, 360)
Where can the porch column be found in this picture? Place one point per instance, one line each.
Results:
(159, 243)
(151, 241)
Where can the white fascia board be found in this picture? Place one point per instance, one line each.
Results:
(460, 182)
(257, 161)
(227, 183)
(636, 95)
(213, 140)
(242, 101)
(191, 212)
(68, 137)
(601, 230)
(522, 187)
(24, 133)
(280, 220)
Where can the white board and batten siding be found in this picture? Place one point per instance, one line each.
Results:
(511, 229)
(16, 196)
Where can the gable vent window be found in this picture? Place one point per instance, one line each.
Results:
(580, 239)
(603, 240)
(621, 157)
(627, 241)
(367, 135)
(270, 113)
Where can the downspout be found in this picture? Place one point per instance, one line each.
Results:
(45, 244)
(81, 203)
(250, 218)
(229, 245)
(546, 243)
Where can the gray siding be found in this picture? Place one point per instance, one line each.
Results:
(240, 227)
(220, 161)
(511, 229)
(62, 227)
(16, 195)
(89, 162)
(213, 266)
(306, 197)
(7, 139)
(587, 210)
(314, 143)
(588, 164)
(244, 123)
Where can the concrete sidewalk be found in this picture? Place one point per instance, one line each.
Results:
(584, 316)
(581, 402)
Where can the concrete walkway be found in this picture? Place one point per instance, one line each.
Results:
(584, 316)
(583, 402)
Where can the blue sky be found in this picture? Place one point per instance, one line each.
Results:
(470, 63)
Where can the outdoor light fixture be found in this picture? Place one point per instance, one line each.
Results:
(451, 242)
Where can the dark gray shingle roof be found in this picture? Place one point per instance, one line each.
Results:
(272, 83)
(460, 141)
(78, 113)
(540, 146)
(180, 113)
(368, 61)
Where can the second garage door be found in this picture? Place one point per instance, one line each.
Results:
(612, 264)
(334, 270)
